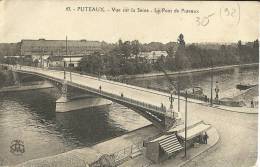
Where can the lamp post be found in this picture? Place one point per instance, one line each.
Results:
(211, 83)
(178, 87)
(171, 99)
(64, 62)
(186, 100)
(64, 65)
(217, 91)
(42, 58)
(70, 66)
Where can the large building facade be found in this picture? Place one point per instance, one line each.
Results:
(40, 47)
(58, 47)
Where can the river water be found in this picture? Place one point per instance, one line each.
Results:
(30, 116)
(225, 79)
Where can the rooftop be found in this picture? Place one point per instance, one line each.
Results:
(53, 43)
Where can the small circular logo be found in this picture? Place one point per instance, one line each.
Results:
(17, 147)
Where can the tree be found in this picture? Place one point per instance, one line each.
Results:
(256, 44)
(170, 51)
(1, 59)
(181, 59)
(239, 48)
(114, 61)
(170, 63)
(120, 43)
(126, 49)
(10, 60)
(181, 41)
(194, 55)
(255, 51)
(135, 47)
(91, 64)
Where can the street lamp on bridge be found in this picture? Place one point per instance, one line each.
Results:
(64, 61)
(171, 99)
(186, 110)
(211, 81)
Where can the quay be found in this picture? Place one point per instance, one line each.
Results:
(128, 150)
(88, 155)
(17, 88)
(186, 71)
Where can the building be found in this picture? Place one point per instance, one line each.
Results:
(72, 61)
(60, 61)
(58, 47)
(172, 142)
(55, 61)
(153, 56)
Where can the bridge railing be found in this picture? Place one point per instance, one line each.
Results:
(122, 98)
(124, 154)
(102, 93)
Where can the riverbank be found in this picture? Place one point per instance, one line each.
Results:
(17, 88)
(120, 146)
(154, 74)
(88, 155)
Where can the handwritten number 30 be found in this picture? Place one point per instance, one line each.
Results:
(202, 21)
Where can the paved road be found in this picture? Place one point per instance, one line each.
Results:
(238, 138)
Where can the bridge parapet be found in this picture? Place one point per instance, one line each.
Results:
(154, 108)
(157, 114)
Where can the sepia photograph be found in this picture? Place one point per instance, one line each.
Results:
(129, 83)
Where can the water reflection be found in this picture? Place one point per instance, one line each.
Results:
(227, 80)
(31, 117)
(87, 126)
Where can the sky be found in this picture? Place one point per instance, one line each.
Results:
(49, 19)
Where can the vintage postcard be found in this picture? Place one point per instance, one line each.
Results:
(129, 83)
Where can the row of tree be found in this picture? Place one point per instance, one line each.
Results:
(122, 58)
(27, 61)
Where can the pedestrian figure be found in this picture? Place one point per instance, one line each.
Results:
(206, 138)
(252, 104)
(217, 90)
(122, 95)
(206, 98)
(201, 139)
(100, 88)
(217, 96)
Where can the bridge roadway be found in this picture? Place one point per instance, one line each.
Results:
(146, 102)
(143, 95)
